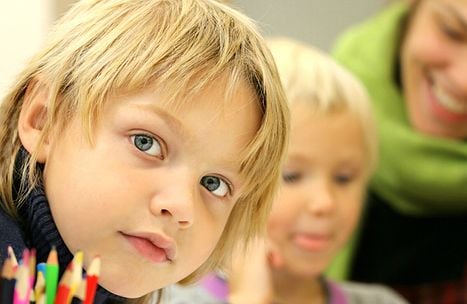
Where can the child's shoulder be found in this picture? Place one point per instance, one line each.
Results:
(11, 235)
(359, 293)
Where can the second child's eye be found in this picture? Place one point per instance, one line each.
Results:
(291, 177)
(215, 185)
(147, 144)
(343, 179)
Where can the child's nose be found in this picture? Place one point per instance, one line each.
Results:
(321, 199)
(175, 200)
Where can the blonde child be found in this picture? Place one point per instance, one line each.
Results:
(332, 153)
(149, 133)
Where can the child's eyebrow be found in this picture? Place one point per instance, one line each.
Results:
(172, 121)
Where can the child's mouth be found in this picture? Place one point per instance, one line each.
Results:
(311, 242)
(154, 247)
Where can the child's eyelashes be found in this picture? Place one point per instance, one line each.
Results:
(153, 147)
(216, 185)
(147, 144)
(291, 177)
(343, 179)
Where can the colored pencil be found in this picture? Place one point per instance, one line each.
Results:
(31, 273)
(91, 280)
(77, 263)
(32, 266)
(25, 282)
(12, 256)
(20, 295)
(41, 268)
(40, 286)
(51, 277)
(8, 281)
(63, 290)
(80, 293)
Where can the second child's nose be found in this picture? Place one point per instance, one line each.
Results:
(321, 199)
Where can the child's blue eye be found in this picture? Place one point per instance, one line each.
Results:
(147, 144)
(215, 185)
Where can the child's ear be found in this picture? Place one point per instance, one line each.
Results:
(32, 118)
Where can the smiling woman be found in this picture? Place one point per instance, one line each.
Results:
(434, 65)
(415, 69)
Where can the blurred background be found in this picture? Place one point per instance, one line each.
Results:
(25, 23)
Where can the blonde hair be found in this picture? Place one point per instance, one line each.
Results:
(309, 75)
(104, 47)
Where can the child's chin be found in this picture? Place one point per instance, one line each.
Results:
(124, 289)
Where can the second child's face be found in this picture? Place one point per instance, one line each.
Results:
(323, 187)
(434, 68)
(153, 195)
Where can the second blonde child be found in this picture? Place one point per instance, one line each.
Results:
(332, 154)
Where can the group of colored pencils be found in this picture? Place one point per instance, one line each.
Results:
(25, 282)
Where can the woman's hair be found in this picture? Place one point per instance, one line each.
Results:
(105, 47)
(311, 76)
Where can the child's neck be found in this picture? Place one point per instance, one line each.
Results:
(294, 289)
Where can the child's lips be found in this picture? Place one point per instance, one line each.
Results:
(155, 247)
(311, 242)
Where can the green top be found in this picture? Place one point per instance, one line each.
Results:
(417, 174)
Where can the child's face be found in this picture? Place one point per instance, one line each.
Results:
(155, 178)
(322, 190)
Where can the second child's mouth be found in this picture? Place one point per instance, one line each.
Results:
(311, 242)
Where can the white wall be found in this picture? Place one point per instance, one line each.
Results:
(23, 24)
(317, 22)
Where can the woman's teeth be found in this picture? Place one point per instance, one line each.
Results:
(450, 103)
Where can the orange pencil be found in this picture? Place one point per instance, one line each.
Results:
(31, 272)
(7, 281)
(91, 280)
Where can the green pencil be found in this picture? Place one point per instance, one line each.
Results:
(51, 276)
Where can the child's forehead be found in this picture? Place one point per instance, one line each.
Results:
(224, 88)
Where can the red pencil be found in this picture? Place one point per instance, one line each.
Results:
(91, 280)
(63, 290)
